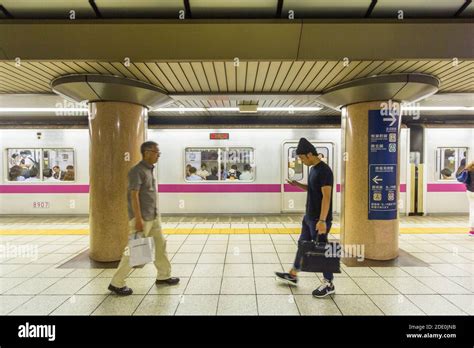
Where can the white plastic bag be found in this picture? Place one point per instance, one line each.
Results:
(142, 249)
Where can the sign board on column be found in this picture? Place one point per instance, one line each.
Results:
(383, 162)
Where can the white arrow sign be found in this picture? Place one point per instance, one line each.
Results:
(391, 119)
(377, 180)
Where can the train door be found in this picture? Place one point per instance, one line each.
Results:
(293, 198)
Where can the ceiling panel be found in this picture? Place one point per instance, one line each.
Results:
(58, 9)
(224, 77)
(140, 8)
(325, 8)
(233, 8)
(416, 8)
(170, 9)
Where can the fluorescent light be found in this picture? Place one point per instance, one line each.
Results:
(438, 108)
(85, 110)
(178, 109)
(236, 109)
(223, 109)
(290, 108)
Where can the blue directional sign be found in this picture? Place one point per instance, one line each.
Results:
(383, 163)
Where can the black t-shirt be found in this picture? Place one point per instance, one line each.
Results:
(320, 175)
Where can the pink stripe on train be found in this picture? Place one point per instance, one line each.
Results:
(217, 188)
(44, 188)
(455, 187)
(169, 188)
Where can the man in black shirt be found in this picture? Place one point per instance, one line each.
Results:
(318, 217)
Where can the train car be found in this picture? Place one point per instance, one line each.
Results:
(445, 149)
(253, 166)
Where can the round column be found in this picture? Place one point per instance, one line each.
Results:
(117, 125)
(370, 168)
(116, 132)
(379, 237)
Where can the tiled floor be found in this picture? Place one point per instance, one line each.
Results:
(219, 222)
(234, 275)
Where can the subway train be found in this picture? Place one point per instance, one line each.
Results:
(212, 171)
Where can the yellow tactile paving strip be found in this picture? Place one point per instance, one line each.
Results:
(335, 230)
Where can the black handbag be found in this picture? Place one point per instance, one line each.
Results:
(320, 257)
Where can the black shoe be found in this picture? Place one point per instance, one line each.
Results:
(287, 277)
(169, 281)
(325, 289)
(125, 291)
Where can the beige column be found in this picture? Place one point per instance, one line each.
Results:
(117, 129)
(379, 237)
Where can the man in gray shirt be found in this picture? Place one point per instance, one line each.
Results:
(144, 217)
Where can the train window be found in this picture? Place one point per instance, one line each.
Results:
(295, 166)
(58, 165)
(24, 165)
(219, 164)
(323, 154)
(37, 165)
(238, 164)
(449, 160)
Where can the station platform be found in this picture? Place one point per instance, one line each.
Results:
(232, 273)
(222, 224)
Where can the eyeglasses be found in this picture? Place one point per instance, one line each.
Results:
(154, 151)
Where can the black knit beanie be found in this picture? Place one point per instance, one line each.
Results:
(305, 147)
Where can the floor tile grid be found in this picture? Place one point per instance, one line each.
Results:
(32, 298)
(58, 278)
(405, 295)
(188, 237)
(42, 293)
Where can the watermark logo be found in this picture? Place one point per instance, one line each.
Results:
(37, 331)
(347, 251)
(27, 251)
(392, 109)
(68, 108)
(239, 156)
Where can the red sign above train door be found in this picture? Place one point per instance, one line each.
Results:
(219, 136)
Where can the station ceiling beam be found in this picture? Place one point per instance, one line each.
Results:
(177, 40)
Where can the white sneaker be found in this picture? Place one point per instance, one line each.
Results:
(325, 289)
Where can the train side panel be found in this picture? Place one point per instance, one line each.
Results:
(441, 195)
(36, 198)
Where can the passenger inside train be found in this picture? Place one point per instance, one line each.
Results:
(203, 173)
(193, 176)
(213, 175)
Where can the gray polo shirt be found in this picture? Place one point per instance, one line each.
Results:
(141, 178)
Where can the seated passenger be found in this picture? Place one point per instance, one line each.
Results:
(48, 175)
(203, 173)
(193, 176)
(15, 174)
(247, 174)
(57, 173)
(213, 175)
(446, 174)
(69, 176)
(232, 175)
(234, 167)
(33, 175)
(188, 166)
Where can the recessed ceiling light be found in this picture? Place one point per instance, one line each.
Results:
(438, 108)
(85, 110)
(236, 109)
